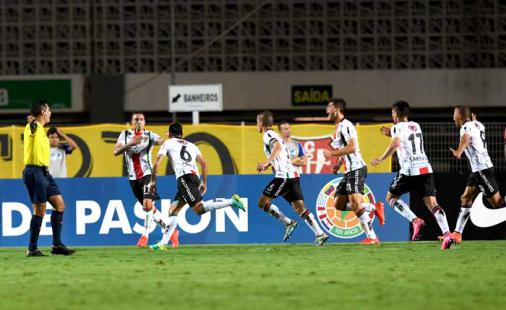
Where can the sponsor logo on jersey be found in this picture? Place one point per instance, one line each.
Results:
(340, 224)
(412, 127)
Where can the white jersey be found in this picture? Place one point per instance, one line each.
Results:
(183, 156)
(138, 157)
(281, 165)
(411, 152)
(345, 131)
(57, 160)
(476, 151)
(295, 149)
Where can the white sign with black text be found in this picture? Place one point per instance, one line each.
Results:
(187, 98)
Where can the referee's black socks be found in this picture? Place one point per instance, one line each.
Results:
(56, 225)
(35, 224)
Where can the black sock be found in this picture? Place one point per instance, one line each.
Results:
(35, 224)
(56, 224)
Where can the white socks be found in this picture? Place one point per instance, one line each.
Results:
(462, 219)
(311, 222)
(366, 224)
(171, 226)
(274, 211)
(369, 207)
(147, 221)
(217, 203)
(440, 216)
(403, 209)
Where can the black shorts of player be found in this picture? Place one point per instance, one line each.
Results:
(188, 189)
(39, 183)
(485, 181)
(422, 184)
(352, 182)
(288, 188)
(141, 191)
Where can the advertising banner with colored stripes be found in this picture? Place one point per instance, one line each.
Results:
(103, 211)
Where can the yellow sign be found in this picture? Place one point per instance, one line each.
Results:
(228, 149)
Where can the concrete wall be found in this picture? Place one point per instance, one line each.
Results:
(362, 89)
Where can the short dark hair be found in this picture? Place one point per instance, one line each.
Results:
(176, 129)
(52, 131)
(338, 103)
(283, 122)
(464, 111)
(401, 108)
(136, 112)
(266, 118)
(37, 107)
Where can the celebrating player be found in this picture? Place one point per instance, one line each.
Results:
(415, 174)
(286, 181)
(294, 148)
(184, 156)
(59, 152)
(350, 191)
(137, 144)
(482, 178)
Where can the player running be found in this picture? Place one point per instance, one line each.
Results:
(184, 156)
(137, 144)
(482, 178)
(415, 174)
(350, 191)
(286, 181)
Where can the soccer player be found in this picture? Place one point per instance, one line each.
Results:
(184, 156)
(59, 152)
(286, 181)
(350, 191)
(137, 144)
(415, 174)
(39, 182)
(482, 178)
(294, 148)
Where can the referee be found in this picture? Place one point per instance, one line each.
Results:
(39, 183)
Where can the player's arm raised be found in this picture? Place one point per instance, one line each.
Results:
(394, 145)
(203, 165)
(464, 142)
(275, 152)
(69, 140)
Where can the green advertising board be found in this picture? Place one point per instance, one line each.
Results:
(316, 95)
(19, 94)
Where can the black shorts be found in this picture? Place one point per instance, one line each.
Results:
(422, 184)
(140, 188)
(39, 183)
(352, 182)
(288, 188)
(485, 181)
(188, 189)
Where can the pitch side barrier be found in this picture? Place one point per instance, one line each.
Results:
(103, 211)
(228, 149)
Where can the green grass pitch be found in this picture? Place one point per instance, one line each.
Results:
(414, 275)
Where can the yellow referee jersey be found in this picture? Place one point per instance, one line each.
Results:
(36, 146)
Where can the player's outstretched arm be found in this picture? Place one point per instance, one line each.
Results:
(464, 142)
(159, 141)
(394, 145)
(385, 131)
(154, 172)
(203, 165)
